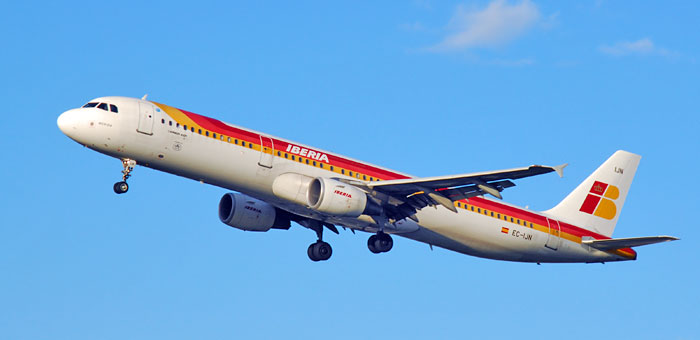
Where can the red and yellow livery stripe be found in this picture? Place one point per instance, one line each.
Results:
(363, 171)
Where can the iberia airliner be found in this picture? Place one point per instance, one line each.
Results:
(278, 181)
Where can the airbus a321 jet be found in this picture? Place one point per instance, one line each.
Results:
(278, 181)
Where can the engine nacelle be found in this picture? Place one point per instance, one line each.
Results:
(246, 213)
(336, 198)
(292, 187)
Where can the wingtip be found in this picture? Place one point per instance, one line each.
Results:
(560, 169)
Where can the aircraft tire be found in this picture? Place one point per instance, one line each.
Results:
(384, 242)
(320, 251)
(371, 244)
(310, 252)
(121, 187)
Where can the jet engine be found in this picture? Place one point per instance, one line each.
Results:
(246, 213)
(336, 198)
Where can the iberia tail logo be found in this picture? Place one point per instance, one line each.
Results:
(600, 200)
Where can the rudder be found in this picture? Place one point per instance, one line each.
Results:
(597, 202)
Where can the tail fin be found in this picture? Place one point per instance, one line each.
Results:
(596, 203)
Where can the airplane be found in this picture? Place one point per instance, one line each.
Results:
(276, 182)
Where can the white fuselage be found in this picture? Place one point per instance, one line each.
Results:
(250, 162)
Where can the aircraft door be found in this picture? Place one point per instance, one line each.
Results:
(267, 152)
(553, 238)
(145, 118)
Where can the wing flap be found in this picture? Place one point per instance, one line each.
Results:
(403, 186)
(404, 197)
(620, 243)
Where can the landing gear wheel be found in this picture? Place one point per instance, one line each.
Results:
(310, 252)
(384, 242)
(319, 251)
(370, 244)
(380, 243)
(121, 187)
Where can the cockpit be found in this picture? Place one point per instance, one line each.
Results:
(103, 106)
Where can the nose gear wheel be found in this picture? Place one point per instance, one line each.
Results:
(123, 187)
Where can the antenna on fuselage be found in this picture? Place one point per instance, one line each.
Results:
(144, 96)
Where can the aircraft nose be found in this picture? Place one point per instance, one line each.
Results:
(68, 122)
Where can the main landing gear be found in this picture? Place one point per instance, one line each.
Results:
(380, 243)
(319, 250)
(122, 187)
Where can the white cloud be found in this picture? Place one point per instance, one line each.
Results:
(497, 24)
(642, 46)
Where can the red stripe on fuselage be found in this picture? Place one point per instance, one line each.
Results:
(219, 127)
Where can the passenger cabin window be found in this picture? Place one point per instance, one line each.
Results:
(102, 106)
(113, 108)
(90, 105)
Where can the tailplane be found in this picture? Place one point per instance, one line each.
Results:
(596, 203)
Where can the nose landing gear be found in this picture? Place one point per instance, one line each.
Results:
(122, 187)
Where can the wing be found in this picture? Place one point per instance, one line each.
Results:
(619, 243)
(402, 198)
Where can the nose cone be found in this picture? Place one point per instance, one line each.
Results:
(68, 123)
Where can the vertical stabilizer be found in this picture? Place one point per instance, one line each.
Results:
(596, 203)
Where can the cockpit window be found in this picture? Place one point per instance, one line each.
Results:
(102, 106)
(113, 108)
(90, 105)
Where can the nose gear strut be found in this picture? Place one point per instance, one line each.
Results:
(122, 187)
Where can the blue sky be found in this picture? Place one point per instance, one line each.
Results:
(424, 87)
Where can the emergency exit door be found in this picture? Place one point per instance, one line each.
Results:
(267, 152)
(145, 118)
(554, 236)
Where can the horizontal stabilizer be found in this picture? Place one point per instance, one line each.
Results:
(619, 243)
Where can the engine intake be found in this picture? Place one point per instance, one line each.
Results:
(246, 213)
(336, 198)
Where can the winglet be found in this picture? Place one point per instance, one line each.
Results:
(144, 96)
(560, 169)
